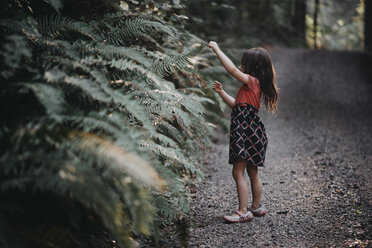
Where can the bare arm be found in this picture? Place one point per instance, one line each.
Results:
(226, 97)
(229, 100)
(228, 64)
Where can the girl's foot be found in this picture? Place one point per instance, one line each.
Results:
(239, 217)
(260, 211)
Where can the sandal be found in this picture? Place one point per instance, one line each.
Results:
(240, 218)
(260, 211)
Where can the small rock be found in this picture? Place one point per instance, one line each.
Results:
(282, 212)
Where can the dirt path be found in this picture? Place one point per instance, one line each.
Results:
(317, 177)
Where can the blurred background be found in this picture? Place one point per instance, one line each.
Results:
(330, 24)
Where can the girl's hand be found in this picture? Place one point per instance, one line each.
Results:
(217, 87)
(213, 45)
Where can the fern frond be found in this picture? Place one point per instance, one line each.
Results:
(13, 53)
(119, 18)
(112, 52)
(166, 63)
(50, 97)
(110, 124)
(102, 92)
(56, 26)
(55, 47)
(20, 26)
(131, 163)
(134, 26)
(134, 29)
(193, 104)
(164, 207)
(124, 64)
(170, 131)
(164, 140)
(182, 118)
(183, 165)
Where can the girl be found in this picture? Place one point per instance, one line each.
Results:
(248, 139)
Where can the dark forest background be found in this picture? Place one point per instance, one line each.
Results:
(321, 24)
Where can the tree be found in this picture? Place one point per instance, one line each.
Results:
(299, 18)
(368, 25)
(316, 13)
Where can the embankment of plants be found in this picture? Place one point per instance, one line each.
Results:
(106, 110)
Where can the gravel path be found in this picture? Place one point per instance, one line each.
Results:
(318, 171)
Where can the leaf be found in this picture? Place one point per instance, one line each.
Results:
(124, 160)
(49, 96)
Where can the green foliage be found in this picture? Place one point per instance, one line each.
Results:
(340, 25)
(243, 23)
(103, 116)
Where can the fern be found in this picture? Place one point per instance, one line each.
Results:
(56, 26)
(90, 120)
(129, 30)
(13, 51)
(138, 24)
(182, 164)
(166, 63)
(113, 52)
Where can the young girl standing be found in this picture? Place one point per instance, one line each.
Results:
(248, 141)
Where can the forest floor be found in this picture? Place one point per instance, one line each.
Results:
(317, 179)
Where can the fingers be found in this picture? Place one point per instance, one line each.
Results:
(217, 83)
(217, 86)
(212, 44)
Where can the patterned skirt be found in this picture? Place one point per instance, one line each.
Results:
(248, 139)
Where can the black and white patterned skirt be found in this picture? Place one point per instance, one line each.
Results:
(248, 139)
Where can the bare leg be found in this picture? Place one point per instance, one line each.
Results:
(256, 186)
(241, 184)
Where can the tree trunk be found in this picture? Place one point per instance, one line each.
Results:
(298, 20)
(368, 25)
(316, 12)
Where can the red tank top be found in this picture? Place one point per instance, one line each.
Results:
(250, 93)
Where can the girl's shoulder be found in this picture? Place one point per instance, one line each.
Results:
(252, 78)
(253, 82)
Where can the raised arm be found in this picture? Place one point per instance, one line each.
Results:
(228, 64)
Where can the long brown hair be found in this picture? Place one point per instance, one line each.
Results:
(257, 63)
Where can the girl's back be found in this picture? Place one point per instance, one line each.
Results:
(250, 93)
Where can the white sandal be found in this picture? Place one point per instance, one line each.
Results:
(240, 218)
